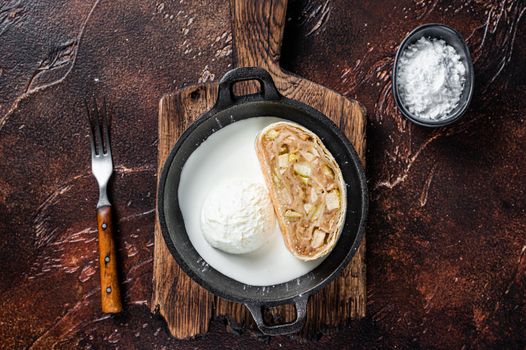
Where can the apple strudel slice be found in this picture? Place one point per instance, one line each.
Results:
(306, 188)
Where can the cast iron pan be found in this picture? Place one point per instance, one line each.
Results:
(230, 108)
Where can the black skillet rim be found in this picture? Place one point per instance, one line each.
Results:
(470, 71)
(277, 301)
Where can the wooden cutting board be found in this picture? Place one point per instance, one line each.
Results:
(257, 27)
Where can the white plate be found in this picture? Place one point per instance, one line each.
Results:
(229, 153)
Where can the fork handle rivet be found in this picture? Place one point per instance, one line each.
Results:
(104, 226)
(107, 259)
(108, 289)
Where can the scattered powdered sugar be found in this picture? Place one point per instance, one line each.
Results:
(430, 78)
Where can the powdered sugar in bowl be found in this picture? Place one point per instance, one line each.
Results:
(433, 76)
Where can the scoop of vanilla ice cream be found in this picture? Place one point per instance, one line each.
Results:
(237, 216)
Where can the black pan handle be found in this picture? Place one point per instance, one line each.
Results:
(281, 329)
(267, 90)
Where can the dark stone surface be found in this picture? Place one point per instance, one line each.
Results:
(446, 238)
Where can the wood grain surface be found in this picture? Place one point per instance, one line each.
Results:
(187, 308)
(446, 249)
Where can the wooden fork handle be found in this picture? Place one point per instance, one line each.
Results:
(109, 286)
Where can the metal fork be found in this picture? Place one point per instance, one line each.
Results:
(102, 168)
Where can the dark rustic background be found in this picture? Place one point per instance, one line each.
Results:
(447, 229)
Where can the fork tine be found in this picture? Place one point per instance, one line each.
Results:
(106, 128)
(90, 121)
(98, 136)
